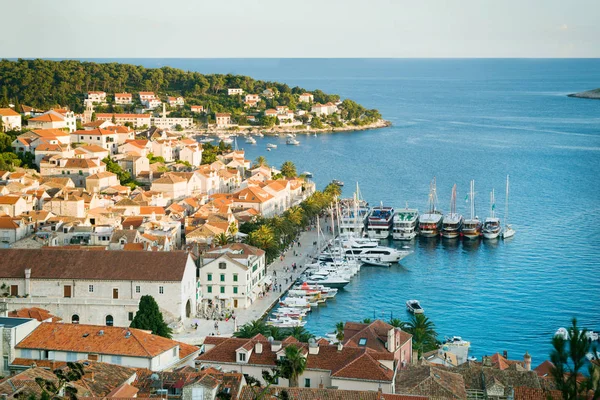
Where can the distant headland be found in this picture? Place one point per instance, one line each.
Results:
(589, 94)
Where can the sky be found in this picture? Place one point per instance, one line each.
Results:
(305, 28)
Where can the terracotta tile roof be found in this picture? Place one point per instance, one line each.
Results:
(88, 339)
(134, 222)
(101, 175)
(110, 115)
(526, 393)
(122, 94)
(148, 210)
(34, 312)
(93, 148)
(9, 199)
(424, 380)
(24, 384)
(94, 132)
(94, 265)
(47, 118)
(48, 364)
(298, 393)
(119, 129)
(49, 133)
(222, 115)
(8, 112)
(375, 334)
(94, 124)
(81, 163)
(8, 223)
(544, 369)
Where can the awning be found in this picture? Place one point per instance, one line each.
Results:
(268, 280)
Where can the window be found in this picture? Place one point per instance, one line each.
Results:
(91, 288)
(174, 351)
(138, 289)
(306, 382)
(5, 363)
(209, 289)
(235, 290)
(116, 360)
(222, 277)
(235, 277)
(130, 316)
(222, 289)
(242, 356)
(254, 267)
(75, 319)
(71, 356)
(209, 277)
(25, 353)
(362, 341)
(161, 289)
(109, 320)
(222, 265)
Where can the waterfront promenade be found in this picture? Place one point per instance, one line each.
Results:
(260, 306)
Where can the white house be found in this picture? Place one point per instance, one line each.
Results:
(123, 98)
(223, 119)
(233, 275)
(11, 120)
(138, 120)
(191, 154)
(175, 101)
(252, 97)
(234, 91)
(99, 137)
(96, 97)
(100, 181)
(13, 229)
(197, 109)
(12, 331)
(324, 109)
(307, 98)
(54, 119)
(144, 96)
(99, 287)
(127, 347)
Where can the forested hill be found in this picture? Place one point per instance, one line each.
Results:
(43, 84)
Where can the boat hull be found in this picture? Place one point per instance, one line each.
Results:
(429, 233)
(378, 234)
(404, 235)
(335, 285)
(491, 235)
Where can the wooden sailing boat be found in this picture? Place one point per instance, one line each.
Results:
(508, 230)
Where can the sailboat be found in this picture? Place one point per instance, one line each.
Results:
(508, 230)
(491, 225)
(472, 225)
(430, 223)
(453, 221)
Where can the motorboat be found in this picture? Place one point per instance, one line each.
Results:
(508, 231)
(259, 134)
(337, 182)
(379, 253)
(331, 281)
(430, 223)
(379, 222)
(285, 322)
(456, 341)
(292, 141)
(271, 146)
(268, 149)
(291, 310)
(291, 135)
(563, 333)
(206, 140)
(250, 140)
(227, 140)
(307, 174)
(294, 302)
(405, 224)
(453, 222)
(491, 225)
(353, 216)
(472, 225)
(413, 306)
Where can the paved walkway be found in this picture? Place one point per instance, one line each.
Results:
(260, 306)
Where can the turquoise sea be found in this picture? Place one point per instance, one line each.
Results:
(459, 120)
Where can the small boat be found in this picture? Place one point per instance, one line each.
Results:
(491, 225)
(472, 226)
(331, 281)
(456, 341)
(292, 141)
(430, 223)
(508, 231)
(206, 140)
(413, 306)
(453, 221)
(591, 356)
(337, 182)
(227, 140)
(259, 135)
(285, 322)
(268, 149)
(271, 146)
(375, 261)
(290, 135)
(307, 174)
(250, 140)
(563, 333)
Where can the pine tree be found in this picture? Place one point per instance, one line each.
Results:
(149, 317)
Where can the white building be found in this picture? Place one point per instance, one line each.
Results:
(99, 287)
(99, 137)
(175, 101)
(233, 275)
(234, 91)
(96, 97)
(127, 347)
(123, 98)
(324, 109)
(197, 109)
(138, 120)
(144, 96)
(307, 98)
(12, 331)
(54, 119)
(11, 120)
(223, 119)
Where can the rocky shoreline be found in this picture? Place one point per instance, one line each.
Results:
(589, 94)
(290, 129)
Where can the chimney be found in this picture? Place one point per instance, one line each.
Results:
(313, 348)
(275, 345)
(258, 348)
(27, 280)
(391, 340)
(92, 378)
(527, 361)
(321, 385)
(486, 361)
(340, 346)
(505, 354)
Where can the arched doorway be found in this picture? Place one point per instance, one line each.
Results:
(188, 309)
(75, 319)
(109, 320)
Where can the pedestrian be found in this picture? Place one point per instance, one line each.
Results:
(298, 243)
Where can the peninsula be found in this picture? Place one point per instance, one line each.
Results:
(588, 94)
(200, 102)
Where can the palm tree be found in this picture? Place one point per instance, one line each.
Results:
(292, 365)
(396, 323)
(569, 358)
(252, 329)
(367, 321)
(333, 190)
(288, 169)
(423, 331)
(277, 333)
(300, 333)
(261, 161)
(339, 332)
(296, 216)
(233, 229)
(222, 239)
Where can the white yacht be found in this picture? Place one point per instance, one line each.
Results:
(379, 222)
(285, 322)
(259, 134)
(405, 225)
(413, 306)
(453, 221)
(491, 225)
(472, 225)
(294, 302)
(430, 223)
(292, 141)
(250, 140)
(329, 280)
(271, 146)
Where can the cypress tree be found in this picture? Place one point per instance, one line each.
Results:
(149, 317)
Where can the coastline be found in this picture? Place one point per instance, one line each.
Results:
(593, 94)
(290, 129)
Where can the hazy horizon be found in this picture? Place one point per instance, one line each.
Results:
(312, 29)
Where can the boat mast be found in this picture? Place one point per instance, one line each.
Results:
(318, 235)
(472, 195)
(492, 203)
(506, 206)
(432, 196)
(453, 201)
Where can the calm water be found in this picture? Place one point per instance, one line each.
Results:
(460, 120)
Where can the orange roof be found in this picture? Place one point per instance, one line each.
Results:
(93, 148)
(223, 115)
(49, 133)
(110, 115)
(146, 93)
(34, 312)
(149, 210)
(96, 339)
(8, 112)
(122, 94)
(94, 132)
(9, 199)
(8, 223)
(47, 118)
(133, 246)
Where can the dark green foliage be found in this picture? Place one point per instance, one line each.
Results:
(149, 317)
(124, 176)
(210, 152)
(292, 365)
(569, 359)
(52, 389)
(424, 334)
(288, 169)
(9, 159)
